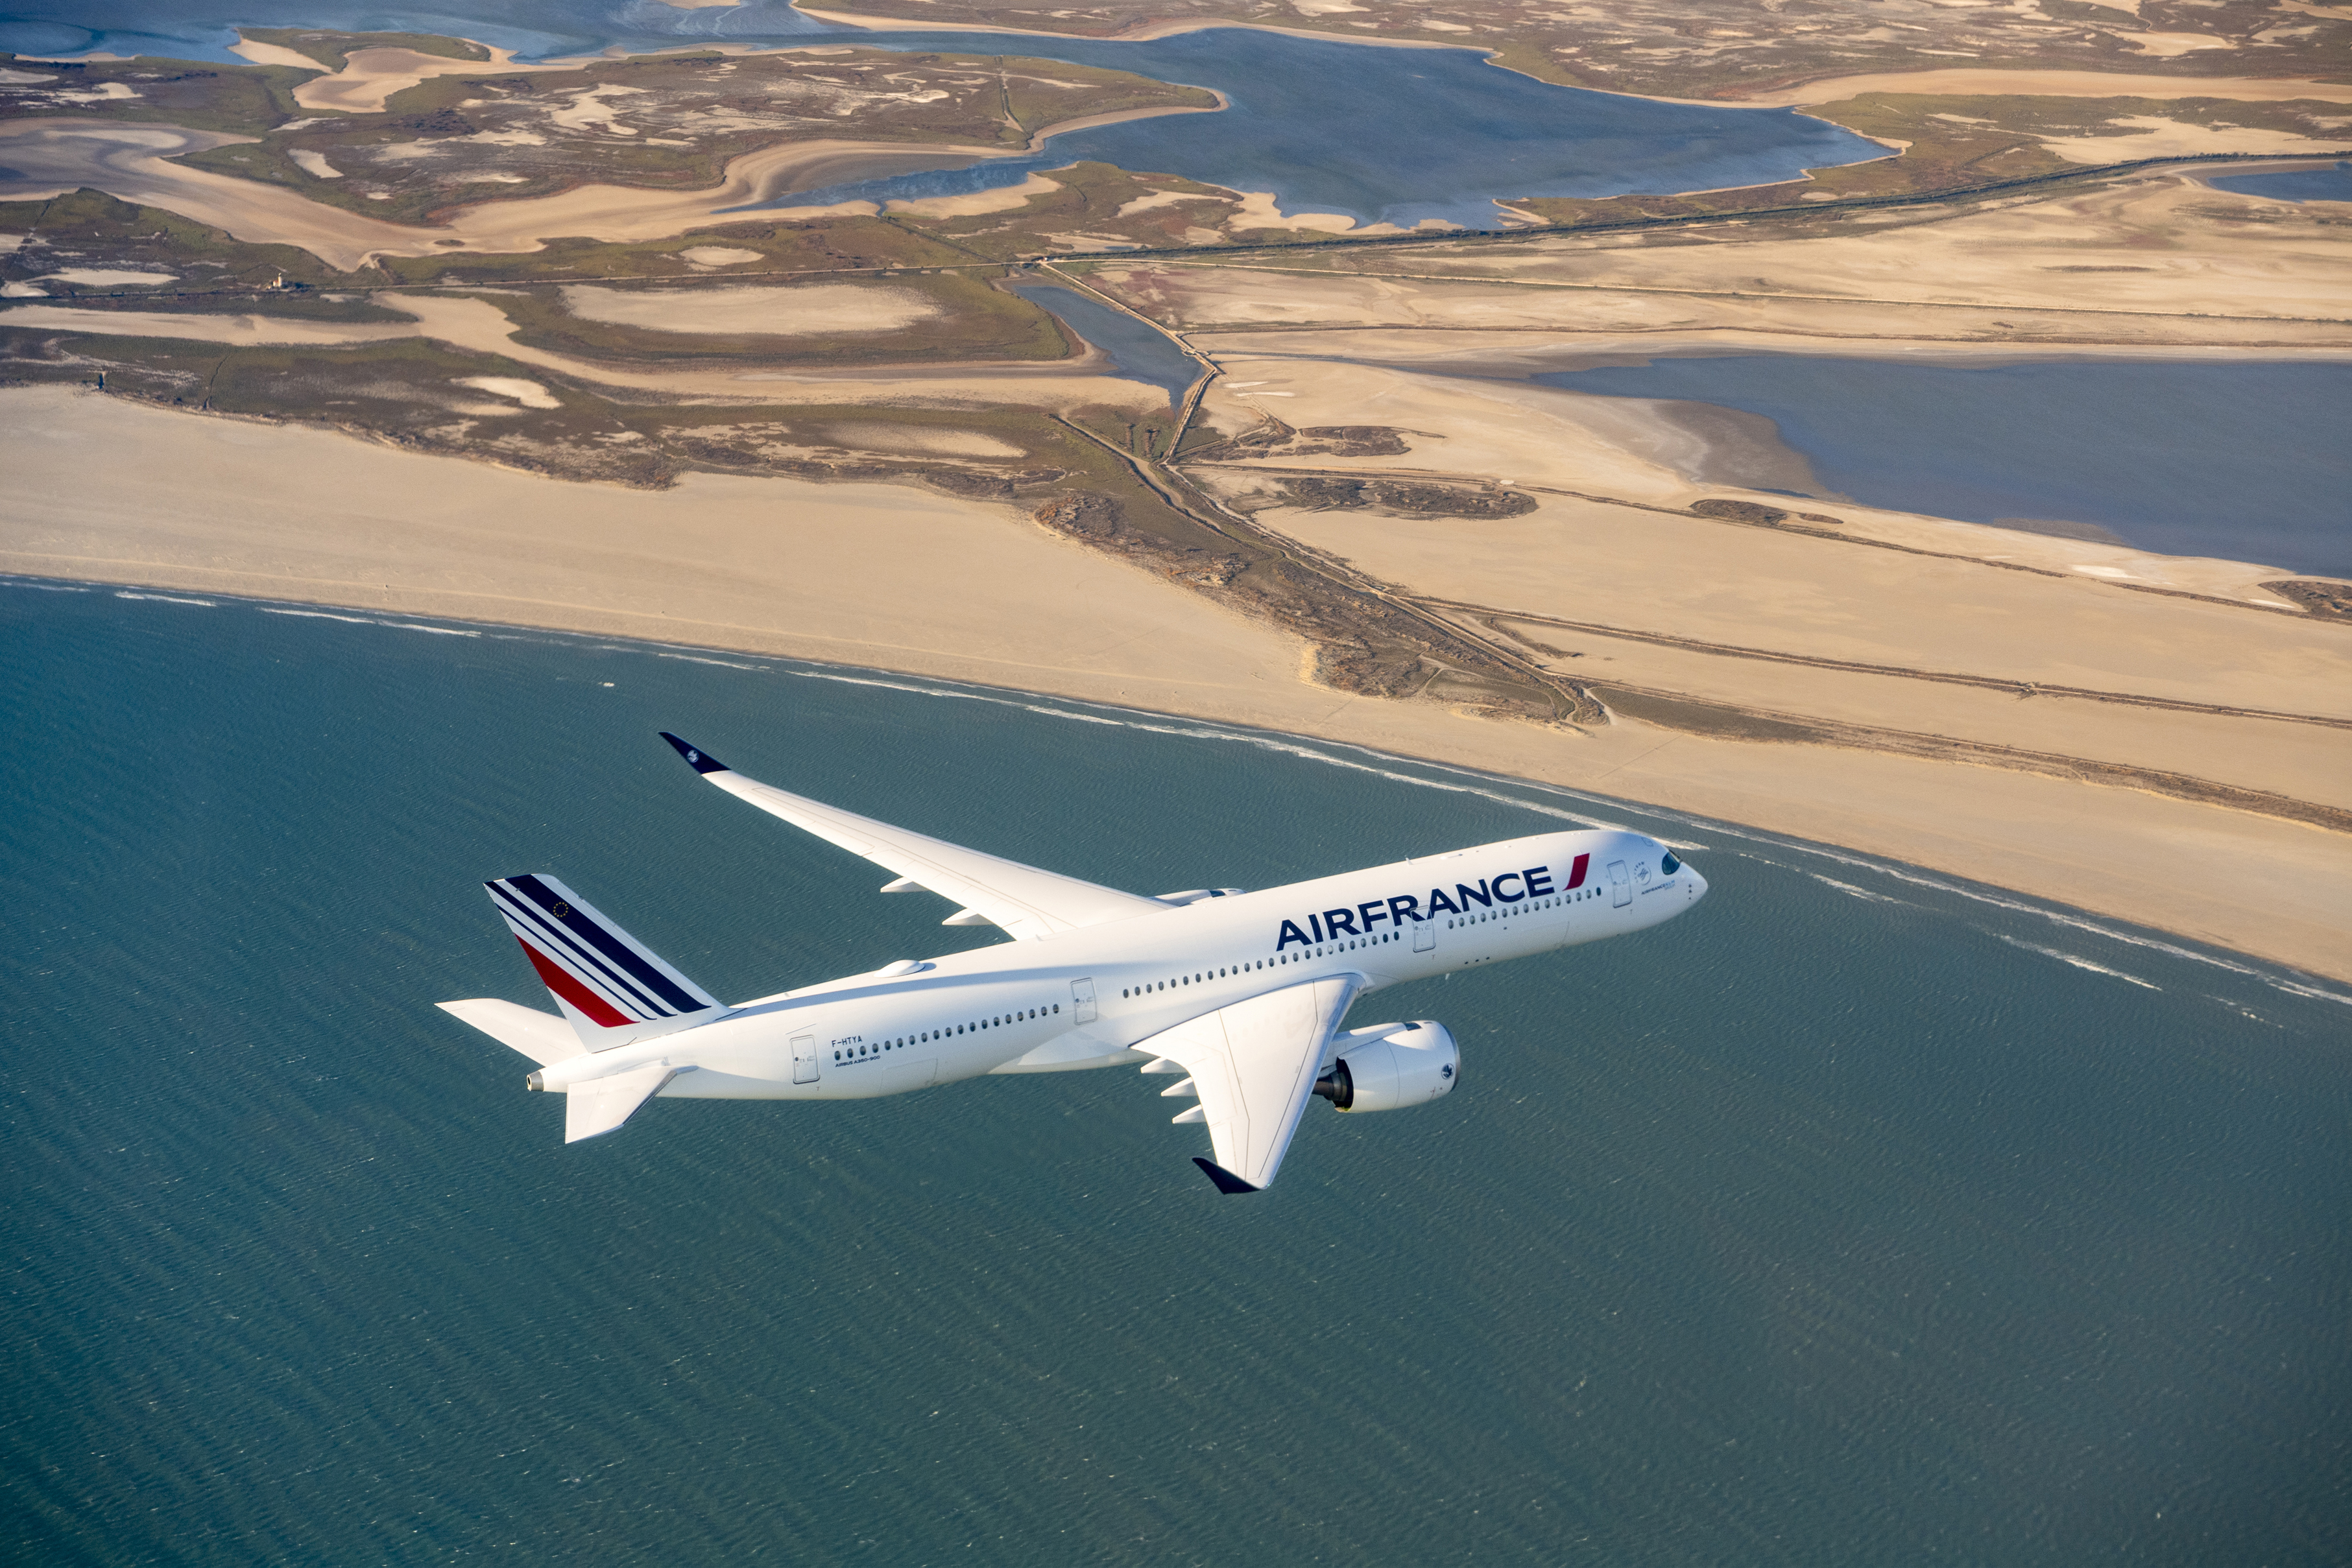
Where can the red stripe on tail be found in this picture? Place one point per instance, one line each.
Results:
(599, 1011)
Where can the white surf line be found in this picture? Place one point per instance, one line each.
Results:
(1204, 729)
(1848, 888)
(721, 664)
(2079, 962)
(357, 619)
(166, 599)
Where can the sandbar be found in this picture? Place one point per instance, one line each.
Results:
(1966, 81)
(761, 310)
(106, 490)
(2158, 257)
(477, 325)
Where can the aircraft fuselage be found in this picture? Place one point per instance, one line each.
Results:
(1095, 996)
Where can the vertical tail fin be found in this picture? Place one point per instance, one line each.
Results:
(614, 989)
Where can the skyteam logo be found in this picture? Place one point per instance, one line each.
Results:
(1405, 909)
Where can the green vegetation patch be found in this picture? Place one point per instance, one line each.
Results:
(1088, 204)
(91, 230)
(242, 100)
(674, 121)
(833, 244)
(962, 319)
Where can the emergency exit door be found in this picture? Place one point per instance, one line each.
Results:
(804, 1059)
(1621, 885)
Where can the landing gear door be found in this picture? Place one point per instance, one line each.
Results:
(804, 1059)
(1621, 885)
(1425, 935)
(1082, 1001)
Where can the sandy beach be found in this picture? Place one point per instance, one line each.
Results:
(108, 491)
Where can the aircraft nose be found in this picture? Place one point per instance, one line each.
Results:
(1697, 884)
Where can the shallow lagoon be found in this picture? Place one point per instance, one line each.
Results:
(1860, 1214)
(1381, 135)
(2333, 185)
(1137, 352)
(2245, 462)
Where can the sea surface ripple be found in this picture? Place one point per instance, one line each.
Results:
(1864, 1214)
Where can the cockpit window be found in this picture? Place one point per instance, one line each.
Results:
(1670, 865)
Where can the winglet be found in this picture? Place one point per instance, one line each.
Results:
(1227, 1183)
(699, 760)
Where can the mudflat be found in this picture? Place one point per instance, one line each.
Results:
(898, 579)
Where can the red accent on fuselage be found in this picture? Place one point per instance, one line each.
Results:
(599, 1011)
(1576, 871)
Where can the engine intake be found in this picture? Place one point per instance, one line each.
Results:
(1390, 1066)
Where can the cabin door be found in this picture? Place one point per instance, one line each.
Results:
(1082, 1001)
(1621, 886)
(1425, 935)
(804, 1059)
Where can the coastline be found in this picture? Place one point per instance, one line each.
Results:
(977, 593)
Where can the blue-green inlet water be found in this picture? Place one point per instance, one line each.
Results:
(2242, 461)
(1860, 1216)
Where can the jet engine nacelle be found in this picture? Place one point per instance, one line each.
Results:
(1391, 1066)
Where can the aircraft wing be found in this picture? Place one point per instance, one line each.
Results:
(1024, 900)
(1253, 1065)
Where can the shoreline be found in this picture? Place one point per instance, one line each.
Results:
(1021, 697)
(1830, 847)
(982, 594)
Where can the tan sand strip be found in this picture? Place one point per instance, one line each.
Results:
(1681, 710)
(107, 490)
(1963, 81)
(1492, 615)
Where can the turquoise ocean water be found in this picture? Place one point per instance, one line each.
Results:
(1862, 1215)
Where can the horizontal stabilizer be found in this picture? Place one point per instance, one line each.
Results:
(601, 1104)
(542, 1036)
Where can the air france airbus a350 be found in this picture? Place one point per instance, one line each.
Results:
(1239, 993)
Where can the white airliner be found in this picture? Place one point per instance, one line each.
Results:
(1239, 993)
